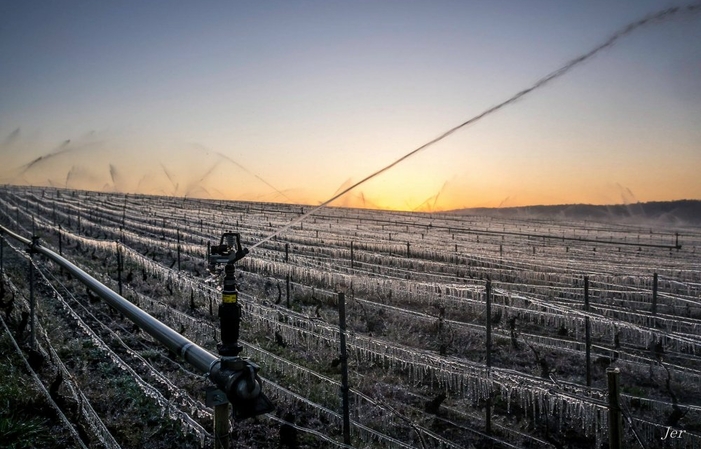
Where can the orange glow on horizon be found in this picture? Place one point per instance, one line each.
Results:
(469, 172)
(446, 199)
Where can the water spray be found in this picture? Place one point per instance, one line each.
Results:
(253, 174)
(652, 18)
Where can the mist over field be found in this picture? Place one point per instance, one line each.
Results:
(675, 213)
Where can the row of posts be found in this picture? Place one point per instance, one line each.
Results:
(614, 409)
(612, 374)
(30, 276)
(615, 433)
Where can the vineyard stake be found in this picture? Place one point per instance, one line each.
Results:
(654, 294)
(178, 232)
(32, 300)
(2, 251)
(222, 426)
(60, 247)
(119, 269)
(344, 367)
(352, 257)
(615, 422)
(587, 330)
(488, 408)
(124, 211)
(287, 286)
(489, 323)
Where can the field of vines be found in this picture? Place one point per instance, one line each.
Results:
(415, 289)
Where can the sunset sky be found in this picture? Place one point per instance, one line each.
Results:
(291, 101)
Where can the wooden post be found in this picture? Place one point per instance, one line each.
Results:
(587, 330)
(287, 252)
(614, 414)
(178, 234)
(119, 269)
(287, 286)
(488, 408)
(352, 256)
(2, 251)
(32, 301)
(60, 245)
(222, 426)
(344, 367)
(654, 294)
(408, 254)
(489, 323)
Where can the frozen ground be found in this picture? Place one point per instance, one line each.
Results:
(415, 287)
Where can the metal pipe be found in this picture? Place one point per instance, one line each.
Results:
(192, 353)
(231, 376)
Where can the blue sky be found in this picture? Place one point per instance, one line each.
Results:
(289, 101)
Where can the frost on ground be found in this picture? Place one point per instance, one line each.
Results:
(415, 287)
